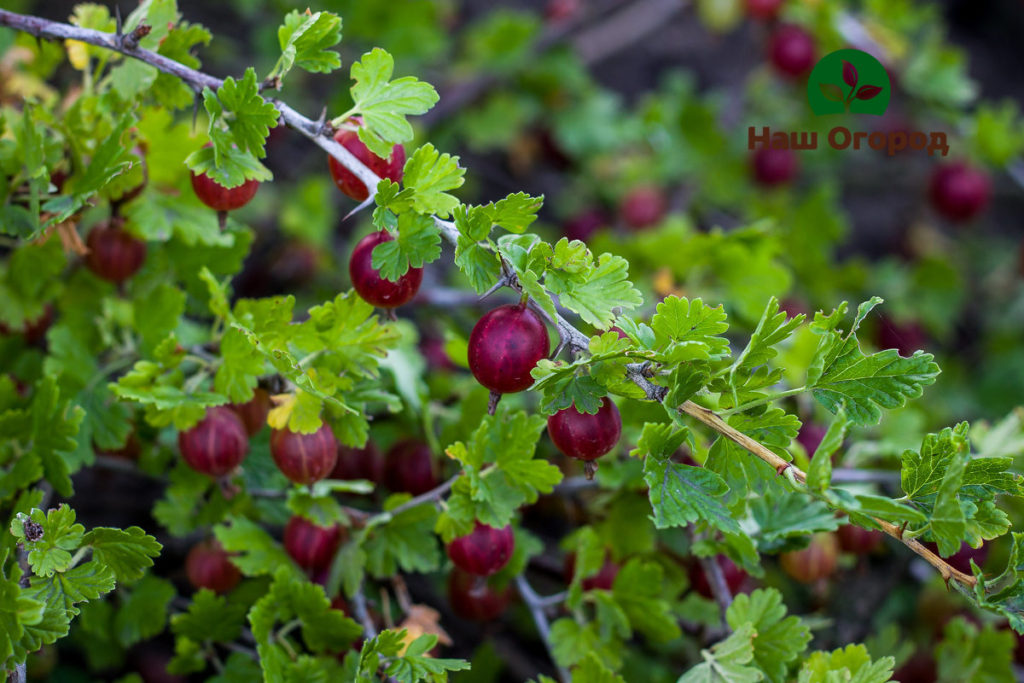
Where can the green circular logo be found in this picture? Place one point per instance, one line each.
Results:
(848, 81)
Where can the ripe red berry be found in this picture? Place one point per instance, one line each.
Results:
(603, 579)
(409, 468)
(643, 207)
(346, 181)
(905, 337)
(764, 9)
(773, 167)
(735, 577)
(958, 191)
(920, 668)
(961, 559)
(310, 545)
(220, 198)
(473, 597)
(505, 345)
(359, 463)
(558, 11)
(816, 561)
(792, 50)
(483, 551)
(858, 540)
(209, 566)
(253, 412)
(114, 254)
(304, 458)
(217, 444)
(371, 285)
(811, 435)
(583, 436)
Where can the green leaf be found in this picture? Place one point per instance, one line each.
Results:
(305, 40)
(406, 541)
(591, 670)
(968, 653)
(126, 551)
(49, 537)
(850, 664)
(255, 552)
(727, 661)
(779, 638)
(594, 290)
(384, 103)
(418, 243)
(819, 474)
(681, 320)
(210, 617)
(639, 591)
(415, 664)
(143, 613)
(779, 521)
(681, 494)
(239, 106)
(431, 175)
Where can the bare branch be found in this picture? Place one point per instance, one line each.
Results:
(537, 604)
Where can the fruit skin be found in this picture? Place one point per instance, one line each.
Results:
(310, 545)
(764, 9)
(811, 435)
(643, 207)
(816, 561)
(359, 463)
(792, 50)
(371, 285)
(474, 598)
(602, 580)
(114, 254)
(304, 458)
(958, 191)
(904, 337)
(772, 167)
(734, 577)
(409, 468)
(583, 225)
(347, 182)
(483, 551)
(920, 668)
(207, 566)
(220, 198)
(217, 444)
(858, 540)
(253, 413)
(505, 345)
(586, 437)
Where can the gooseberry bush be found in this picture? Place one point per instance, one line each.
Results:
(644, 448)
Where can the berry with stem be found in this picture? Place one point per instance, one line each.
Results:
(505, 345)
(475, 598)
(390, 168)
(409, 468)
(209, 566)
(311, 545)
(483, 551)
(217, 444)
(359, 463)
(114, 254)
(304, 458)
(371, 285)
(815, 562)
(958, 191)
(643, 207)
(586, 437)
(220, 198)
(253, 412)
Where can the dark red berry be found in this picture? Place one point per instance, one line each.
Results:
(346, 181)
(310, 545)
(961, 559)
(811, 435)
(905, 337)
(958, 191)
(858, 540)
(371, 285)
(816, 561)
(764, 9)
(253, 412)
(583, 225)
(583, 436)
(359, 463)
(304, 458)
(773, 167)
(920, 668)
(473, 597)
(483, 551)
(643, 207)
(114, 254)
(409, 468)
(34, 331)
(220, 198)
(603, 579)
(217, 444)
(792, 50)
(734, 576)
(505, 345)
(561, 10)
(209, 566)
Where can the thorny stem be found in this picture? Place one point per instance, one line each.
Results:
(320, 134)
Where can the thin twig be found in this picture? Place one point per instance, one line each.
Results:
(716, 580)
(536, 605)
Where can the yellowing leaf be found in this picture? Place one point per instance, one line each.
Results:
(278, 416)
(78, 54)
